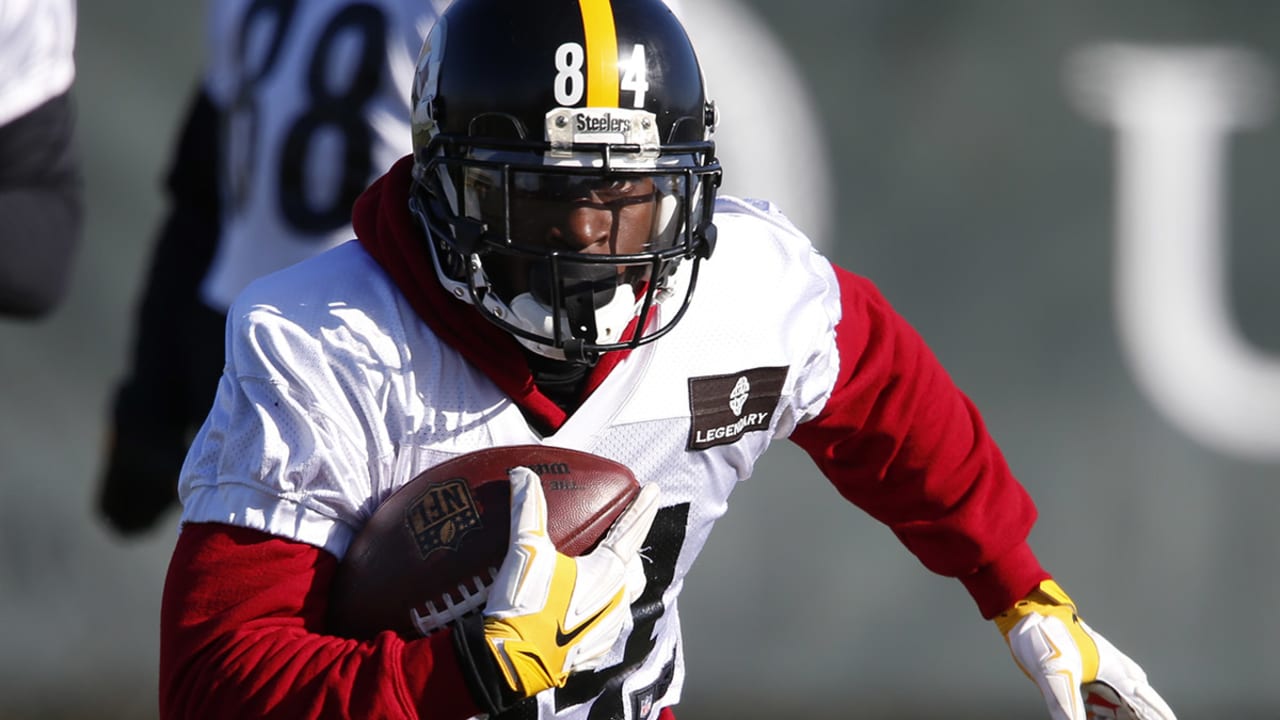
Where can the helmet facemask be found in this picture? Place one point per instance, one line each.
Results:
(570, 244)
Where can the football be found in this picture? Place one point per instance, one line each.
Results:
(429, 552)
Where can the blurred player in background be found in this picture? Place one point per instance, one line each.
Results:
(528, 275)
(41, 203)
(301, 106)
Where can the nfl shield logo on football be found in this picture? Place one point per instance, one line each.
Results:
(440, 517)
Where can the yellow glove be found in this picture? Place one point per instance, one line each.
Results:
(1079, 673)
(548, 614)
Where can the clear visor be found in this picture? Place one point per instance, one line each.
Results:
(569, 208)
(567, 229)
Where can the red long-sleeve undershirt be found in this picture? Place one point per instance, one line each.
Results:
(242, 636)
(898, 440)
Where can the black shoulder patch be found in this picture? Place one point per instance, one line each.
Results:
(723, 407)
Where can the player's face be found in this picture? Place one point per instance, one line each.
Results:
(567, 214)
(609, 215)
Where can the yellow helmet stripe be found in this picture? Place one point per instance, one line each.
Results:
(602, 53)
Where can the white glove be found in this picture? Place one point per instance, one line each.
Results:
(1079, 673)
(548, 614)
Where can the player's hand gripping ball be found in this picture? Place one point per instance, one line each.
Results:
(428, 554)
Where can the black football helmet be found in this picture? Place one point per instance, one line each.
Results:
(524, 105)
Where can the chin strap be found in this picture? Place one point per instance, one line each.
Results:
(610, 323)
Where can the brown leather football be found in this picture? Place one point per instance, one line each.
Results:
(429, 552)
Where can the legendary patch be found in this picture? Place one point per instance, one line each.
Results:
(723, 407)
(441, 516)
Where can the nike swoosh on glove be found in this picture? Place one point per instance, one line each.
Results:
(548, 614)
(1079, 673)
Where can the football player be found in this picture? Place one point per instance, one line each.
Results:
(41, 194)
(552, 264)
(301, 106)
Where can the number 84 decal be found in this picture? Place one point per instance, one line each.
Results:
(571, 74)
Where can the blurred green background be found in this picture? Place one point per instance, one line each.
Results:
(963, 179)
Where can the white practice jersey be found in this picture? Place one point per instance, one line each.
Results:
(314, 105)
(37, 45)
(336, 394)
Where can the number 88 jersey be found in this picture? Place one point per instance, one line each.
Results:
(313, 99)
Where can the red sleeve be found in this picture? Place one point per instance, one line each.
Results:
(900, 441)
(241, 636)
